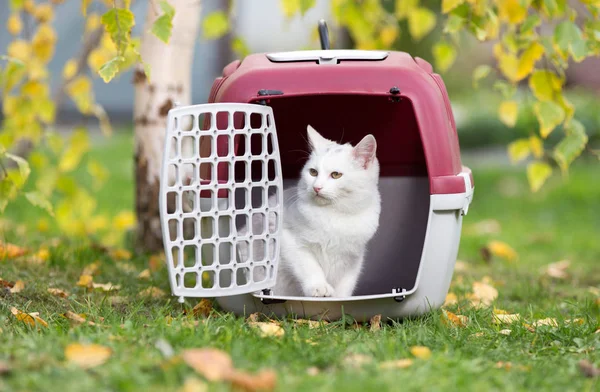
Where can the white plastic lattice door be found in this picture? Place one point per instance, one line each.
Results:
(221, 199)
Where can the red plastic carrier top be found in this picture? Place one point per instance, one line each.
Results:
(397, 98)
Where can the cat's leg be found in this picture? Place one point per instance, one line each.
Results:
(345, 286)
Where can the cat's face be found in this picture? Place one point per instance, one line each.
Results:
(336, 173)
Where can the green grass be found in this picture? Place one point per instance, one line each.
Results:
(561, 222)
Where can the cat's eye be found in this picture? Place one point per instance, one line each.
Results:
(313, 172)
(336, 175)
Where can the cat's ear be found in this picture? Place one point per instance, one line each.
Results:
(315, 140)
(364, 152)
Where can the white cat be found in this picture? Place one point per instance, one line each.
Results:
(328, 219)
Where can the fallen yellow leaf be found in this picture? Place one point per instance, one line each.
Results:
(106, 286)
(375, 323)
(18, 287)
(357, 360)
(265, 380)
(449, 318)
(503, 365)
(483, 294)
(502, 250)
(212, 364)
(10, 251)
(58, 292)
(420, 352)
(506, 318)
(193, 384)
(396, 364)
(145, 274)
(267, 329)
(153, 292)
(597, 331)
(91, 269)
(558, 270)
(31, 319)
(477, 334)
(156, 262)
(254, 317)
(551, 322)
(451, 299)
(313, 371)
(203, 308)
(85, 281)
(311, 323)
(578, 321)
(461, 266)
(77, 319)
(120, 254)
(505, 331)
(87, 356)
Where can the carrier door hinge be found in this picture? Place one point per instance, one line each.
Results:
(268, 301)
(395, 92)
(265, 92)
(468, 193)
(399, 290)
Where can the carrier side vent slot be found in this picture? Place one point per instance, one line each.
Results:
(265, 92)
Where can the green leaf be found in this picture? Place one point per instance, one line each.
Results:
(508, 112)
(16, 5)
(39, 200)
(118, 22)
(537, 174)
(449, 5)
(545, 85)
(507, 90)
(572, 145)
(549, 115)
(519, 150)
(215, 25)
(454, 24)
(22, 164)
(420, 22)
(163, 25)
(79, 144)
(530, 23)
(444, 55)
(109, 69)
(289, 7)
(481, 72)
(568, 38)
(305, 5)
(239, 47)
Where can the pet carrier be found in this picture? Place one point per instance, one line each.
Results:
(227, 162)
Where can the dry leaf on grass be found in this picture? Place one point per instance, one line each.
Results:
(127, 268)
(502, 250)
(375, 323)
(451, 299)
(456, 320)
(313, 371)
(597, 331)
(193, 384)
(506, 318)
(588, 369)
(503, 365)
(311, 323)
(120, 254)
(396, 364)
(483, 294)
(77, 319)
(31, 319)
(357, 360)
(145, 274)
(212, 364)
(10, 251)
(85, 281)
(264, 380)
(87, 355)
(18, 287)
(7, 284)
(477, 334)
(152, 292)
(91, 269)
(505, 332)
(461, 266)
(203, 308)
(156, 262)
(253, 318)
(558, 270)
(267, 328)
(551, 322)
(106, 286)
(420, 352)
(58, 292)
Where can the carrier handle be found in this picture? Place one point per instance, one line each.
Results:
(324, 35)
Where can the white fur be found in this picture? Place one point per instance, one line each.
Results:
(325, 235)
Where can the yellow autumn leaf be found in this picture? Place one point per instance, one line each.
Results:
(549, 115)
(507, 112)
(10, 251)
(44, 12)
(34, 89)
(18, 287)
(106, 286)
(19, 49)
(14, 24)
(545, 85)
(537, 174)
(152, 292)
(451, 299)
(80, 91)
(388, 35)
(70, 69)
(519, 150)
(267, 329)
(558, 270)
(528, 59)
(449, 5)
(91, 269)
(145, 274)
(396, 364)
(92, 22)
(454, 320)
(124, 220)
(85, 281)
(511, 11)
(505, 318)
(536, 146)
(502, 250)
(87, 356)
(58, 292)
(420, 352)
(420, 22)
(550, 322)
(375, 323)
(505, 332)
(43, 43)
(120, 254)
(31, 319)
(483, 294)
(212, 364)
(509, 66)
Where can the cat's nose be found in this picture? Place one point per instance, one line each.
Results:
(317, 189)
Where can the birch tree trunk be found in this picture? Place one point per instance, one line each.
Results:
(170, 82)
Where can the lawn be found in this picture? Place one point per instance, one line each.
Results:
(561, 222)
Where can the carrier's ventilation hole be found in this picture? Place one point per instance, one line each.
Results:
(205, 121)
(172, 202)
(242, 251)
(189, 229)
(273, 227)
(256, 121)
(257, 197)
(173, 148)
(259, 250)
(188, 174)
(208, 279)
(186, 123)
(256, 144)
(207, 227)
(272, 170)
(190, 280)
(189, 255)
(240, 169)
(224, 202)
(173, 175)
(208, 254)
(206, 171)
(223, 170)
(258, 224)
(225, 278)
(239, 120)
(223, 145)
(225, 253)
(222, 121)
(175, 255)
(224, 226)
(257, 171)
(270, 144)
(241, 225)
(272, 248)
(242, 276)
(173, 228)
(241, 145)
(205, 146)
(271, 272)
(273, 193)
(188, 147)
(259, 273)
(268, 120)
(241, 198)
(206, 198)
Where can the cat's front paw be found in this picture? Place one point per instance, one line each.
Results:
(322, 289)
